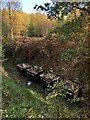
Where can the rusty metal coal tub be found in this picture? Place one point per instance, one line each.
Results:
(29, 71)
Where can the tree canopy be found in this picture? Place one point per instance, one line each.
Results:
(19, 25)
(57, 10)
(39, 25)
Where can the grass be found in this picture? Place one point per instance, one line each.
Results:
(19, 99)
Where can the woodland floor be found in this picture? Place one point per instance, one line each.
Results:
(20, 100)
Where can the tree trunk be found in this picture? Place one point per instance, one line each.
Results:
(10, 23)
